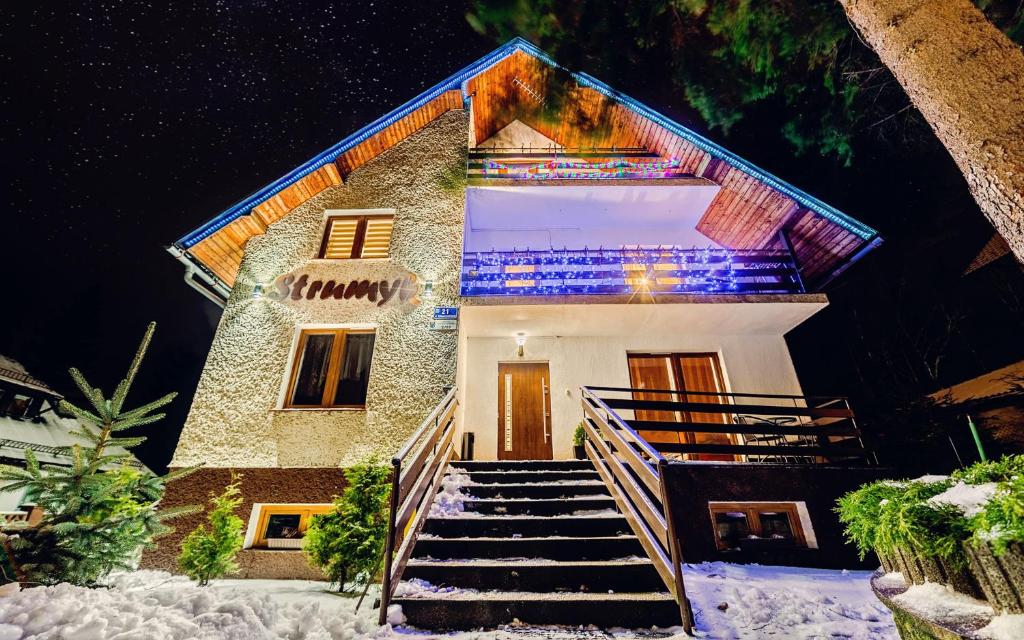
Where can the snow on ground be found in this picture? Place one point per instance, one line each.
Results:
(755, 601)
(759, 602)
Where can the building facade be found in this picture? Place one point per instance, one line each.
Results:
(31, 420)
(516, 232)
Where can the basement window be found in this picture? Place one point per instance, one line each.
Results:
(348, 237)
(757, 526)
(331, 369)
(281, 526)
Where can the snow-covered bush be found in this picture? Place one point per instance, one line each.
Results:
(347, 543)
(860, 511)
(1000, 522)
(932, 517)
(211, 554)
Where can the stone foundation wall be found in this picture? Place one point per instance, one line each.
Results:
(316, 485)
(692, 485)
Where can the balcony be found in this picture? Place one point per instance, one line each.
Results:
(728, 427)
(526, 164)
(640, 270)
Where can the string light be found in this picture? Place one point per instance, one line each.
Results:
(581, 170)
(625, 271)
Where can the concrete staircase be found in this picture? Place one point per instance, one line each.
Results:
(539, 543)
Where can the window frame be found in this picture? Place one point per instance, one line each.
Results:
(304, 511)
(359, 236)
(752, 511)
(333, 367)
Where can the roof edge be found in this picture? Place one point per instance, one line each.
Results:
(457, 81)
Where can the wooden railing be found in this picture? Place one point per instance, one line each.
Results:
(756, 427)
(634, 473)
(417, 469)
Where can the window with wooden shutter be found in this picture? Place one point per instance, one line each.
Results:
(377, 237)
(350, 237)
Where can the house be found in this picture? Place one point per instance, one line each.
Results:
(532, 250)
(995, 403)
(30, 419)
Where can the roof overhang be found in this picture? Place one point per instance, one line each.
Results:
(752, 209)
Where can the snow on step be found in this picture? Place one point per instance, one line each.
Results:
(574, 562)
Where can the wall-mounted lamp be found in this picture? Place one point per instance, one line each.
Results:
(520, 343)
(257, 291)
(428, 289)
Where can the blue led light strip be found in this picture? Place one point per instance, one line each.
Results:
(458, 81)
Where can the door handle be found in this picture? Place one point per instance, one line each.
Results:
(544, 408)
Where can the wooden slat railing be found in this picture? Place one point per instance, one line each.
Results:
(416, 470)
(633, 471)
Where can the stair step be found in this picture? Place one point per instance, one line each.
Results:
(491, 609)
(529, 477)
(524, 465)
(551, 548)
(535, 490)
(538, 575)
(540, 507)
(527, 526)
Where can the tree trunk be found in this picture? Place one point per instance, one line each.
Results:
(967, 80)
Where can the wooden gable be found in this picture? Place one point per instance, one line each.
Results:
(221, 252)
(518, 82)
(747, 213)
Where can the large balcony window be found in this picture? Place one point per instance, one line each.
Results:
(609, 239)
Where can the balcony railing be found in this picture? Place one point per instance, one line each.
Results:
(658, 270)
(737, 427)
(538, 164)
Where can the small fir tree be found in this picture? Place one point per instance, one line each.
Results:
(347, 543)
(206, 555)
(98, 513)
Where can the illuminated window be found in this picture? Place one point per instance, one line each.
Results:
(331, 369)
(283, 526)
(350, 237)
(748, 524)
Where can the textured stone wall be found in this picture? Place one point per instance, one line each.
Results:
(235, 420)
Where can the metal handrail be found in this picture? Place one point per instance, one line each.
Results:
(644, 504)
(414, 481)
(687, 392)
(817, 420)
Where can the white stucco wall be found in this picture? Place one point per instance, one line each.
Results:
(757, 363)
(235, 418)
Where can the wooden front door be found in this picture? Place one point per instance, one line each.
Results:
(524, 411)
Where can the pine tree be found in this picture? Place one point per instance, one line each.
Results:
(347, 543)
(99, 513)
(206, 555)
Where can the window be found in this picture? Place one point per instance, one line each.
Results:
(699, 373)
(282, 526)
(331, 368)
(15, 405)
(756, 525)
(348, 237)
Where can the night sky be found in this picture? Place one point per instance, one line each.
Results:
(128, 124)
